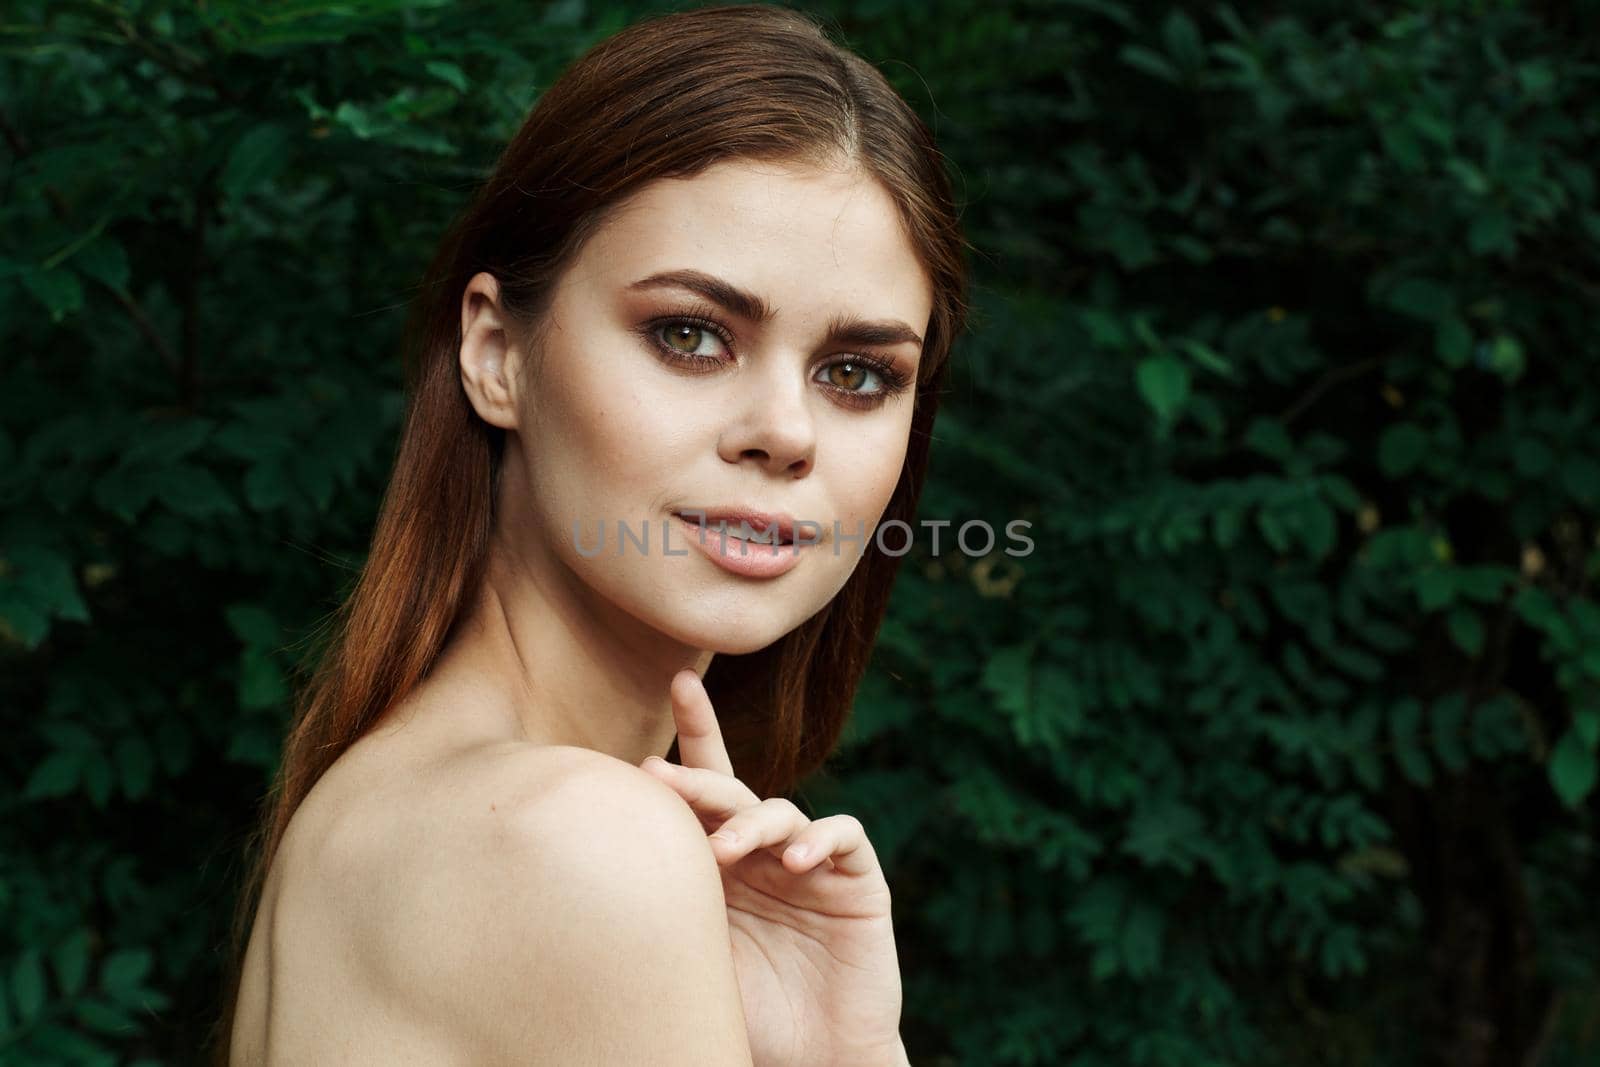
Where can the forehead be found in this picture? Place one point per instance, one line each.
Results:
(809, 240)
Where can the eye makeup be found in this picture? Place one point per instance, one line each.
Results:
(703, 317)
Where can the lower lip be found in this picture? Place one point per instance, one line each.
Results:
(750, 559)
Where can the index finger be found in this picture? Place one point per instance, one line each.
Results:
(699, 736)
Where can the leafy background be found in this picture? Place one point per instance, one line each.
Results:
(1280, 748)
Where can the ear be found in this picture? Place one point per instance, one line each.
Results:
(486, 353)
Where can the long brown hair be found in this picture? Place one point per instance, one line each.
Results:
(665, 97)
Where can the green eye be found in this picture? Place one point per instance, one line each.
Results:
(680, 337)
(678, 333)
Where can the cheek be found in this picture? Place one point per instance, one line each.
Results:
(606, 439)
(876, 461)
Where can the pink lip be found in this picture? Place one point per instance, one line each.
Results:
(746, 558)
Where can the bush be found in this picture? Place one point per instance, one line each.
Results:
(1280, 747)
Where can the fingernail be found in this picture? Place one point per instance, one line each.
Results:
(799, 852)
(728, 837)
(656, 763)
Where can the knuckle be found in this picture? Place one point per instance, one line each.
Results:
(849, 824)
(785, 807)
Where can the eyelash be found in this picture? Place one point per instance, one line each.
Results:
(894, 380)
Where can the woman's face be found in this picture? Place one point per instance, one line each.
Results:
(687, 363)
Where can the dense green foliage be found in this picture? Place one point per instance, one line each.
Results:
(1280, 747)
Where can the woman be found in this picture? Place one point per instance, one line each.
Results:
(715, 276)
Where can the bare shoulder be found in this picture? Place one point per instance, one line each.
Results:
(549, 904)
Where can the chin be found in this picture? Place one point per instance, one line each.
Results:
(732, 640)
(712, 627)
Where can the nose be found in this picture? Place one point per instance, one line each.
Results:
(773, 426)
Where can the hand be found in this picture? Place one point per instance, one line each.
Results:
(813, 944)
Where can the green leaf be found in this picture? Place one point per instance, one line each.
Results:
(124, 971)
(1162, 832)
(71, 961)
(27, 985)
(1164, 383)
(105, 261)
(1207, 357)
(98, 778)
(251, 441)
(125, 493)
(1586, 724)
(193, 491)
(1097, 912)
(1341, 953)
(55, 776)
(1421, 298)
(1452, 340)
(1433, 127)
(1538, 609)
(1506, 358)
(448, 72)
(358, 120)
(1142, 932)
(256, 159)
(1436, 588)
(255, 744)
(58, 289)
(1226, 526)
(261, 683)
(1572, 768)
(135, 765)
(160, 443)
(1580, 476)
(44, 580)
(1130, 241)
(881, 707)
(1466, 629)
(267, 486)
(1105, 331)
(1497, 728)
(1491, 231)
(1367, 768)
(253, 624)
(1469, 175)
(104, 1018)
(1272, 528)
(1007, 675)
(1401, 448)
(1531, 456)
(1317, 525)
(1182, 40)
(1268, 436)
(1149, 61)
(1060, 697)
(1536, 77)
(22, 623)
(1402, 144)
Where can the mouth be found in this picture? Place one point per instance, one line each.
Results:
(744, 524)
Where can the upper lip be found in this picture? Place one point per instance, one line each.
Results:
(733, 514)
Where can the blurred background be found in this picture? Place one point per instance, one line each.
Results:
(1279, 749)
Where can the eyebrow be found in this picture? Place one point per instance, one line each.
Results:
(842, 328)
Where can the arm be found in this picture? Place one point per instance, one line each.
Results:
(593, 931)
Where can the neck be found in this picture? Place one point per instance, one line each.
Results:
(560, 665)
